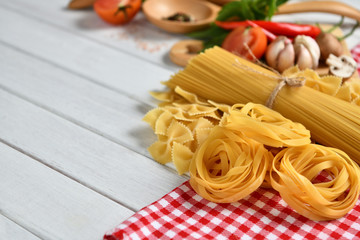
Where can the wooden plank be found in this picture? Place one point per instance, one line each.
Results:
(88, 24)
(138, 38)
(10, 230)
(112, 115)
(108, 168)
(98, 63)
(51, 205)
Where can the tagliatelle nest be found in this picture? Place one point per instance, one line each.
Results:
(228, 167)
(294, 174)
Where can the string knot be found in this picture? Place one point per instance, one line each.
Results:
(284, 80)
(292, 82)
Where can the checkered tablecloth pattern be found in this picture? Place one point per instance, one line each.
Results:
(355, 52)
(182, 214)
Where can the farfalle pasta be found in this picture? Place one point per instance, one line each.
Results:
(326, 84)
(294, 175)
(182, 122)
(228, 167)
(350, 91)
(331, 85)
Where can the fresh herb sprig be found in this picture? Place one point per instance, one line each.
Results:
(237, 10)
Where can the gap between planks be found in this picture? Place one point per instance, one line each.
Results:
(70, 210)
(76, 73)
(10, 229)
(39, 19)
(68, 117)
(116, 177)
(65, 174)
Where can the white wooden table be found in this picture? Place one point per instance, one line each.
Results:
(73, 91)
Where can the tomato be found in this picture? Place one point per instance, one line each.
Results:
(117, 11)
(254, 37)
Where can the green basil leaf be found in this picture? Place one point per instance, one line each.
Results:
(208, 33)
(237, 10)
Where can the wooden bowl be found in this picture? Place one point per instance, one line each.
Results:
(202, 12)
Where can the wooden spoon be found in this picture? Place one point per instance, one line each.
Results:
(184, 50)
(320, 6)
(312, 6)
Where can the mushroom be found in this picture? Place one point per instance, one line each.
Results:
(329, 44)
(343, 66)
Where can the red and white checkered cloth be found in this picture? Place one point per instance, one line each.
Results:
(182, 214)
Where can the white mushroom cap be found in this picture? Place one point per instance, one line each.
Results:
(343, 66)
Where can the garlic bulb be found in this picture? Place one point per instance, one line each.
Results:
(307, 52)
(280, 54)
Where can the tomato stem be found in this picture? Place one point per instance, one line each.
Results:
(122, 8)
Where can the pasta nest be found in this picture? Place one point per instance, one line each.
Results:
(227, 167)
(319, 182)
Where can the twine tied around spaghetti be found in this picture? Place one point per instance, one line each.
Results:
(290, 81)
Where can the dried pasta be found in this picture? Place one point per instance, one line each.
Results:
(181, 122)
(294, 172)
(214, 75)
(229, 149)
(331, 85)
(265, 126)
(228, 167)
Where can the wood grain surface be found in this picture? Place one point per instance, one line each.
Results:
(73, 91)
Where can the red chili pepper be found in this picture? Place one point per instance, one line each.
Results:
(277, 28)
(270, 36)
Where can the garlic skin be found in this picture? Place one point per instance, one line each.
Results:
(307, 52)
(280, 54)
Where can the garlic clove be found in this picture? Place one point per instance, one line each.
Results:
(286, 58)
(280, 54)
(303, 57)
(311, 46)
(343, 66)
(273, 51)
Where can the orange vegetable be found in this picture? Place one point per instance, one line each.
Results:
(117, 11)
(254, 37)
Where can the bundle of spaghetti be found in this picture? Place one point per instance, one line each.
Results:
(216, 75)
(295, 172)
(228, 167)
